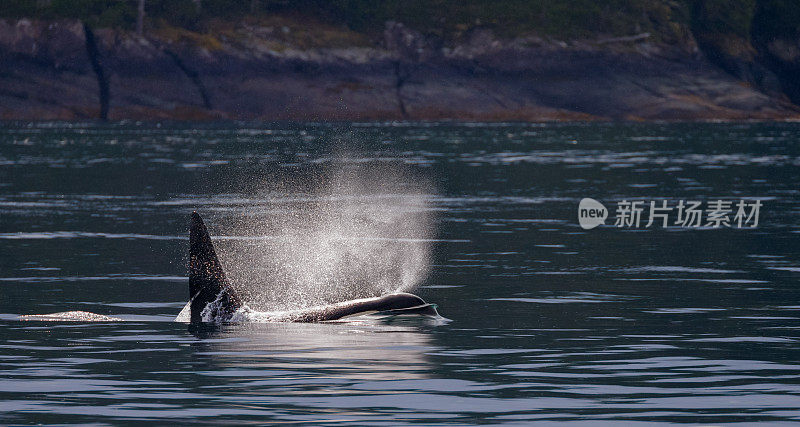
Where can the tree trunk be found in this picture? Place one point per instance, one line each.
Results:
(140, 18)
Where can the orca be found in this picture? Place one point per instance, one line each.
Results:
(71, 316)
(213, 299)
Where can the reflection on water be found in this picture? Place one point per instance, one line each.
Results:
(331, 349)
(549, 322)
(269, 371)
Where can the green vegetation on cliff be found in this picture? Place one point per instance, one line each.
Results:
(447, 19)
(724, 23)
(727, 30)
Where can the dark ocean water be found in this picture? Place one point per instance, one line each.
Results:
(548, 322)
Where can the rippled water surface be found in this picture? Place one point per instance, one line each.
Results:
(549, 322)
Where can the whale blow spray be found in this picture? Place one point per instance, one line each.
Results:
(359, 233)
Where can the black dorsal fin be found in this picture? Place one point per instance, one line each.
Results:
(207, 282)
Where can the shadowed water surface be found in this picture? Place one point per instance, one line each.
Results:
(549, 322)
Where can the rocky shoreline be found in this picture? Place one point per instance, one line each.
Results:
(63, 70)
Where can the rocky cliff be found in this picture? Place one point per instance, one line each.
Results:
(65, 70)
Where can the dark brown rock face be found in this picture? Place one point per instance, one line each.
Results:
(46, 73)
